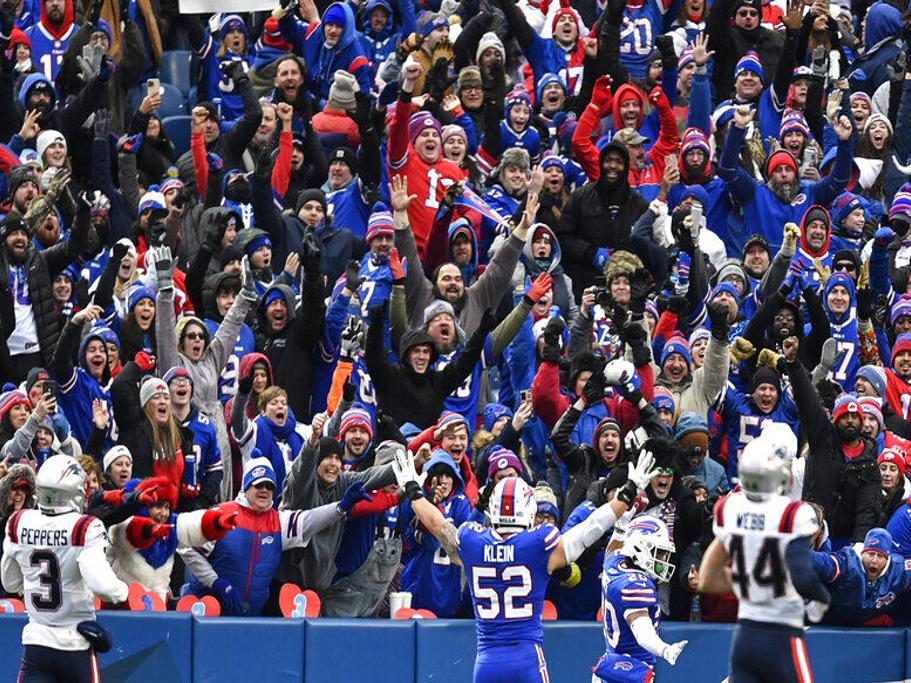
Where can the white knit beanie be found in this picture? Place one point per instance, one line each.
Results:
(151, 386)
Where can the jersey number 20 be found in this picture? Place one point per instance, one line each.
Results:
(515, 591)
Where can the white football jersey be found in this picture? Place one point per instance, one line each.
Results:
(756, 536)
(58, 562)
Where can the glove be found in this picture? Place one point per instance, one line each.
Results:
(94, 12)
(187, 491)
(883, 237)
(229, 596)
(541, 286)
(245, 384)
(678, 305)
(815, 611)
(484, 498)
(632, 333)
(118, 251)
(718, 317)
(149, 496)
(106, 70)
(741, 349)
(601, 94)
(352, 276)
(129, 144)
(405, 474)
(102, 123)
(488, 322)
(828, 354)
(791, 235)
(164, 263)
(640, 476)
(215, 162)
(398, 266)
(613, 371)
(665, 45)
(864, 303)
(671, 652)
(639, 285)
(630, 384)
(145, 361)
(353, 495)
(593, 391)
(310, 257)
(247, 281)
(216, 523)
(142, 532)
(265, 162)
(114, 497)
(571, 575)
(657, 96)
(601, 257)
(235, 69)
(683, 272)
(768, 358)
(553, 340)
(351, 338)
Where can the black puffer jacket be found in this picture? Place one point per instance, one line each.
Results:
(41, 268)
(291, 350)
(848, 490)
(599, 214)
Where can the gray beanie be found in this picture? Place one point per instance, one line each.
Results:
(151, 386)
(440, 307)
(490, 39)
(341, 92)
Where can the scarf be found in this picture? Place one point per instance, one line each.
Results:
(161, 551)
(268, 436)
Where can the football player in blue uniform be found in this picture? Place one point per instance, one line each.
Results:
(630, 604)
(509, 564)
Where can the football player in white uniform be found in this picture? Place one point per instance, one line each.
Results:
(766, 538)
(55, 556)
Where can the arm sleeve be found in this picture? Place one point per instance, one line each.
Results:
(94, 567)
(17, 447)
(197, 563)
(585, 534)
(803, 576)
(299, 526)
(584, 149)
(738, 183)
(166, 330)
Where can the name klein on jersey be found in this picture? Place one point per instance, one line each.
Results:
(499, 553)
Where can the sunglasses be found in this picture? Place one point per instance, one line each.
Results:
(264, 485)
(845, 265)
(194, 336)
(664, 470)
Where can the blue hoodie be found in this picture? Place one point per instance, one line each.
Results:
(882, 44)
(429, 574)
(30, 81)
(844, 332)
(378, 45)
(77, 392)
(347, 54)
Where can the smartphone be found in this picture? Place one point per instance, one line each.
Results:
(153, 86)
(50, 387)
(525, 396)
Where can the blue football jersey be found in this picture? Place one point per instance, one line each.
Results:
(626, 589)
(641, 25)
(376, 287)
(47, 51)
(244, 344)
(507, 579)
(464, 400)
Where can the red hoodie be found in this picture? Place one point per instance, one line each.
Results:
(58, 32)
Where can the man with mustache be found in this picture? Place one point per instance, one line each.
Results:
(784, 197)
(841, 471)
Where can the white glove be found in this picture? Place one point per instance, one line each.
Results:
(672, 651)
(642, 472)
(248, 285)
(815, 611)
(616, 370)
(403, 467)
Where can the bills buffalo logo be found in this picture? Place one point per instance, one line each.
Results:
(884, 600)
(623, 666)
(646, 526)
(799, 199)
(258, 472)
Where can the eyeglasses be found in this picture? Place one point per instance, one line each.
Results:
(181, 381)
(470, 88)
(194, 336)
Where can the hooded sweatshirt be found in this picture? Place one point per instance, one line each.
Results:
(49, 42)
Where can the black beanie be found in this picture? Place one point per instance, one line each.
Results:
(765, 376)
(310, 195)
(327, 446)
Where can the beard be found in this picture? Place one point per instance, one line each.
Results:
(458, 304)
(785, 193)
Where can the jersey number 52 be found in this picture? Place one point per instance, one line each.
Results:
(518, 587)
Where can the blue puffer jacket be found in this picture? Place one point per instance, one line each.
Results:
(248, 556)
(882, 43)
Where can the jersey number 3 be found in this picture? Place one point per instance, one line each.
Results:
(767, 570)
(49, 578)
(514, 591)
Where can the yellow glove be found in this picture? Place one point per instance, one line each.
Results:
(823, 271)
(768, 358)
(791, 235)
(863, 280)
(575, 576)
(741, 349)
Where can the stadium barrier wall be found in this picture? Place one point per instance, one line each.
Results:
(176, 646)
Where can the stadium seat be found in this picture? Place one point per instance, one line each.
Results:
(173, 102)
(177, 128)
(175, 69)
(192, 98)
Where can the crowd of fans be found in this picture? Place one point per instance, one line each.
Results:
(520, 239)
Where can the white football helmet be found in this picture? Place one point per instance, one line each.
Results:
(512, 504)
(764, 467)
(60, 485)
(648, 545)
